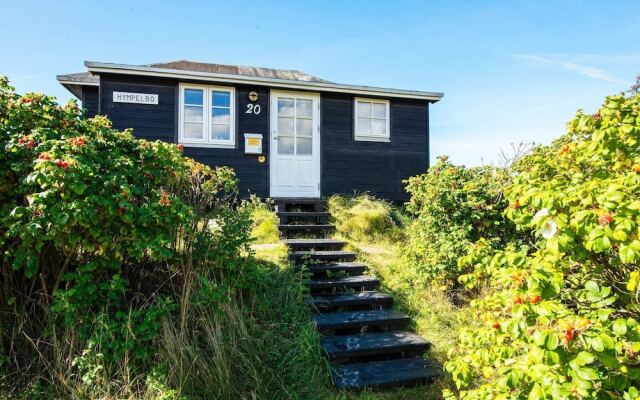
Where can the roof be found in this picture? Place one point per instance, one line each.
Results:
(276, 78)
(272, 73)
(74, 82)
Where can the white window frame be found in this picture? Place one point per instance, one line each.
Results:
(370, 136)
(207, 106)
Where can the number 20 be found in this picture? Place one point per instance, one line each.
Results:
(253, 109)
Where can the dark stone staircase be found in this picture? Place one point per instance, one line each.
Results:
(363, 336)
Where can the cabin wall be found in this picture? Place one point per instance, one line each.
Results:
(90, 100)
(347, 165)
(379, 168)
(160, 122)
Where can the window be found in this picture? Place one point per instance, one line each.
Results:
(207, 116)
(295, 126)
(371, 120)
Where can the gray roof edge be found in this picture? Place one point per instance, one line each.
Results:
(97, 67)
(79, 78)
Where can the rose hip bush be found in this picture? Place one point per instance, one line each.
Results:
(96, 225)
(560, 318)
(454, 206)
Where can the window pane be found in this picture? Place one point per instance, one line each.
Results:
(220, 115)
(304, 108)
(364, 109)
(192, 131)
(285, 126)
(221, 99)
(193, 114)
(364, 125)
(379, 127)
(303, 127)
(193, 96)
(220, 132)
(285, 145)
(285, 107)
(379, 110)
(303, 146)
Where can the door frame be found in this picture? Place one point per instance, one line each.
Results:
(273, 144)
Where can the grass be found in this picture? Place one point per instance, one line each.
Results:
(374, 229)
(262, 344)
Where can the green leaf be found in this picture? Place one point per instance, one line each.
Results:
(552, 341)
(596, 344)
(634, 279)
(588, 374)
(584, 358)
(620, 327)
(627, 255)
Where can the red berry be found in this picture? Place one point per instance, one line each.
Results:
(605, 219)
(31, 144)
(496, 325)
(61, 163)
(517, 300)
(568, 335)
(44, 156)
(535, 299)
(120, 210)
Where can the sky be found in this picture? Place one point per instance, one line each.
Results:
(511, 71)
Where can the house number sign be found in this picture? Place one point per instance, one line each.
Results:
(138, 98)
(253, 109)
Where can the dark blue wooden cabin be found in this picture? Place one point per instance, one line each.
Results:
(285, 133)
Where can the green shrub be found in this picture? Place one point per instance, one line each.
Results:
(560, 318)
(100, 234)
(363, 218)
(453, 207)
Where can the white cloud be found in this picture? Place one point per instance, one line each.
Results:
(22, 78)
(567, 65)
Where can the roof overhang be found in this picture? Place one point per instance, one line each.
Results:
(75, 82)
(98, 67)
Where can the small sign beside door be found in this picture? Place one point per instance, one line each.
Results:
(253, 143)
(137, 98)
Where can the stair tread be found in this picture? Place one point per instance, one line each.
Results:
(337, 264)
(300, 226)
(347, 281)
(344, 279)
(349, 319)
(382, 374)
(349, 268)
(323, 253)
(352, 299)
(378, 343)
(313, 241)
(303, 213)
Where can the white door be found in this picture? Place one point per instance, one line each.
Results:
(295, 144)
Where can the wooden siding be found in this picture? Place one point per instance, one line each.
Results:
(379, 168)
(160, 122)
(347, 166)
(90, 100)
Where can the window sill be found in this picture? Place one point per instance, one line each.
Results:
(372, 139)
(209, 145)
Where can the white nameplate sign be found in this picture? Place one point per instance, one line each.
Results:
(138, 98)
